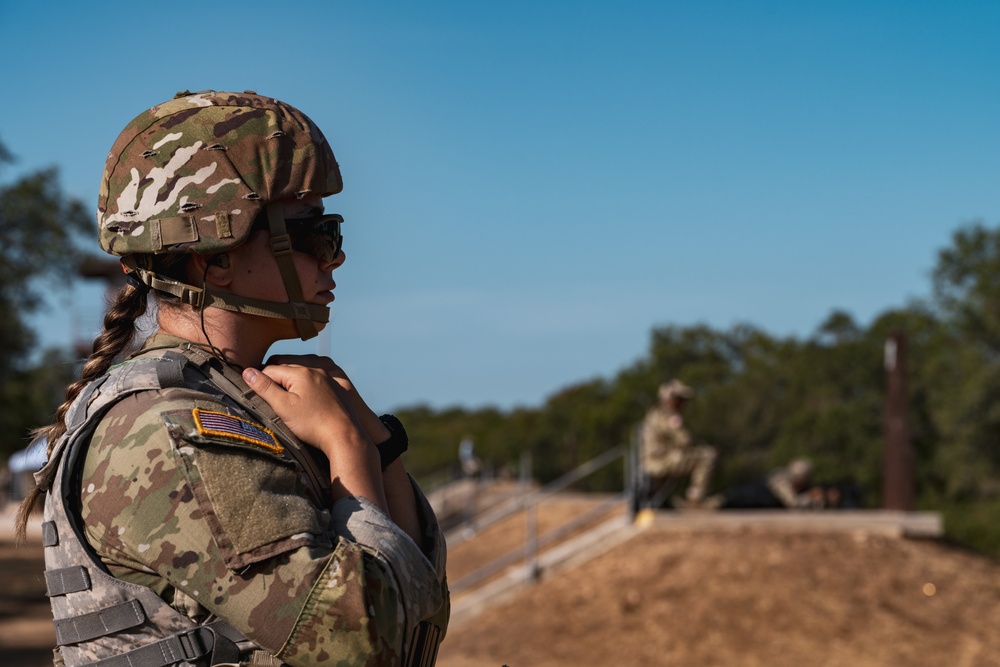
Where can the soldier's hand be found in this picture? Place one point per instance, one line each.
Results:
(319, 413)
(369, 421)
(307, 401)
(325, 364)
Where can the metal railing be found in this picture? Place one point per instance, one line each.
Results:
(528, 503)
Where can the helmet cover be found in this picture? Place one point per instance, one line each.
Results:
(192, 174)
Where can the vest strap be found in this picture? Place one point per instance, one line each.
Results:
(262, 659)
(99, 623)
(50, 536)
(423, 645)
(66, 580)
(231, 383)
(201, 645)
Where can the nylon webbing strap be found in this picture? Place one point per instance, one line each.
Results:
(191, 646)
(50, 536)
(170, 231)
(278, 309)
(99, 623)
(66, 580)
(193, 296)
(232, 384)
(424, 646)
(281, 248)
(196, 297)
(262, 659)
(223, 226)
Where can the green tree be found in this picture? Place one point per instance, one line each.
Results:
(39, 232)
(966, 371)
(967, 284)
(763, 400)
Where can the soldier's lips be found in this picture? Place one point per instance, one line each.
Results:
(325, 297)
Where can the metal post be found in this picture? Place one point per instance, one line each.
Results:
(530, 519)
(525, 475)
(899, 467)
(630, 464)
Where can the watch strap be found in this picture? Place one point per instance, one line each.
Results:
(398, 442)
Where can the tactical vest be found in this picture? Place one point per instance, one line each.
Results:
(102, 621)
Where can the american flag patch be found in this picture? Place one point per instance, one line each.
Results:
(228, 426)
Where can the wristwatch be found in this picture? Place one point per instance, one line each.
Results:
(393, 448)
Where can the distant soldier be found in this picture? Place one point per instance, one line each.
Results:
(472, 467)
(789, 487)
(667, 449)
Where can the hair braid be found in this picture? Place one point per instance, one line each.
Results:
(119, 331)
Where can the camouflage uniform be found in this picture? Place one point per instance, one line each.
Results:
(218, 522)
(789, 485)
(667, 449)
(183, 514)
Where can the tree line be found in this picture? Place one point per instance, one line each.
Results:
(761, 399)
(764, 400)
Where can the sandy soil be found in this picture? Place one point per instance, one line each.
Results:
(507, 536)
(739, 598)
(749, 599)
(26, 634)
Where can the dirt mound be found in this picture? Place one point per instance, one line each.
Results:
(702, 599)
(748, 598)
(26, 632)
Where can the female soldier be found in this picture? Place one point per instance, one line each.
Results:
(205, 508)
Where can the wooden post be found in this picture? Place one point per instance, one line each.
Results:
(899, 466)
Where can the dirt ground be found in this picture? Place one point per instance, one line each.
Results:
(26, 634)
(746, 598)
(749, 599)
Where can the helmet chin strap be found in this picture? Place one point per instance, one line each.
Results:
(198, 297)
(305, 315)
(281, 248)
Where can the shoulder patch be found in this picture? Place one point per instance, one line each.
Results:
(223, 425)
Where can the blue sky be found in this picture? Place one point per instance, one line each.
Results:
(531, 187)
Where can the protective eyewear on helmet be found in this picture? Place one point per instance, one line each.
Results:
(319, 236)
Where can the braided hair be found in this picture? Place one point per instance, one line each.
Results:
(118, 335)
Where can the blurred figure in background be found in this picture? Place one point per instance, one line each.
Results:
(789, 487)
(668, 452)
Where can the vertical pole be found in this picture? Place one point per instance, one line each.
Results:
(530, 519)
(899, 464)
(525, 476)
(531, 540)
(631, 475)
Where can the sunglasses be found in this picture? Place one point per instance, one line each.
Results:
(318, 236)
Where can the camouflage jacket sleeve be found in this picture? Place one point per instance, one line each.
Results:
(181, 493)
(663, 431)
(781, 485)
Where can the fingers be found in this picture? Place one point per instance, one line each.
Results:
(296, 384)
(325, 364)
(273, 381)
(292, 390)
(258, 381)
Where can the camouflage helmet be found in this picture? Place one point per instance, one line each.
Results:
(674, 389)
(800, 469)
(193, 174)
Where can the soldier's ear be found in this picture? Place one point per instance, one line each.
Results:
(215, 269)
